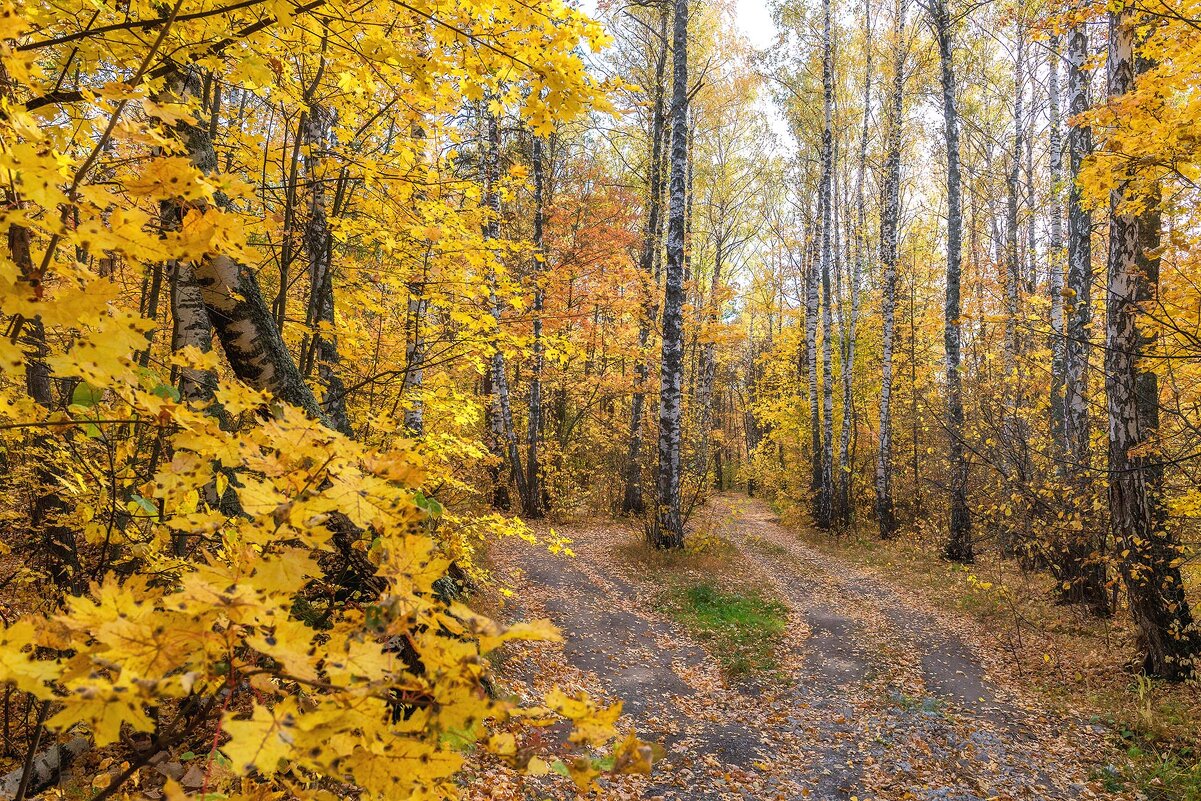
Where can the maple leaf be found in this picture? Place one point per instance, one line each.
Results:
(17, 664)
(261, 742)
(591, 723)
(103, 707)
(360, 662)
(286, 572)
(290, 642)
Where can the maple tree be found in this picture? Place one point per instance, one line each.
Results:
(237, 552)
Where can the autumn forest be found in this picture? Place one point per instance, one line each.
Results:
(664, 399)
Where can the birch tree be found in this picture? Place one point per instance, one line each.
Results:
(632, 501)
(823, 510)
(1055, 277)
(1150, 556)
(668, 527)
(504, 435)
(1082, 569)
(889, 234)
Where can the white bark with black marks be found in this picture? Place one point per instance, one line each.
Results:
(244, 325)
(1078, 294)
(191, 326)
(632, 501)
(1055, 251)
(668, 527)
(823, 510)
(317, 243)
(503, 433)
(1081, 567)
(415, 346)
(857, 267)
(45, 769)
(890, 214)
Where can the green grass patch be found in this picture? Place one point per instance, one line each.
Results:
(1160, 775)
(740, 629)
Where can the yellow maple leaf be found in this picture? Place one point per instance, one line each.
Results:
(263, 741)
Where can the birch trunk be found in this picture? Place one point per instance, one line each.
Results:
(824, 497)
(812, 310)
(504, 437)
(248, 334)
(190, 327)
(1010, 402)
(708, 366)
(889, 230)
(1055, 253)
(414, 378)
(415, 346)
(668, 528)
(190, 323)
(632, 502)
(1082, 571)
(1013, 269)
(1151, 554)
(959, 538)
(1078, 296)
(318, 249)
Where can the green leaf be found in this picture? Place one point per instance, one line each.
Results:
(428, 505)
(461, 739)
(145, 504)
(166, 391)
(86, 395)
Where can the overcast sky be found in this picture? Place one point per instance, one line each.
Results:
(755, 21)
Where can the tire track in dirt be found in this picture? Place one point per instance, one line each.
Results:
(940, 728)
(876, 699)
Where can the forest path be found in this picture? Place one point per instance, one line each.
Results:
(874, 697)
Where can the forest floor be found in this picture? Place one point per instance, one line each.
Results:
(863, 692)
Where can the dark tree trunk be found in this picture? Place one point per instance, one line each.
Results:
(60, 550)
(959, 538)
(533, 498)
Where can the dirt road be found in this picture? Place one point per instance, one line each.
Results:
(875, 696)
